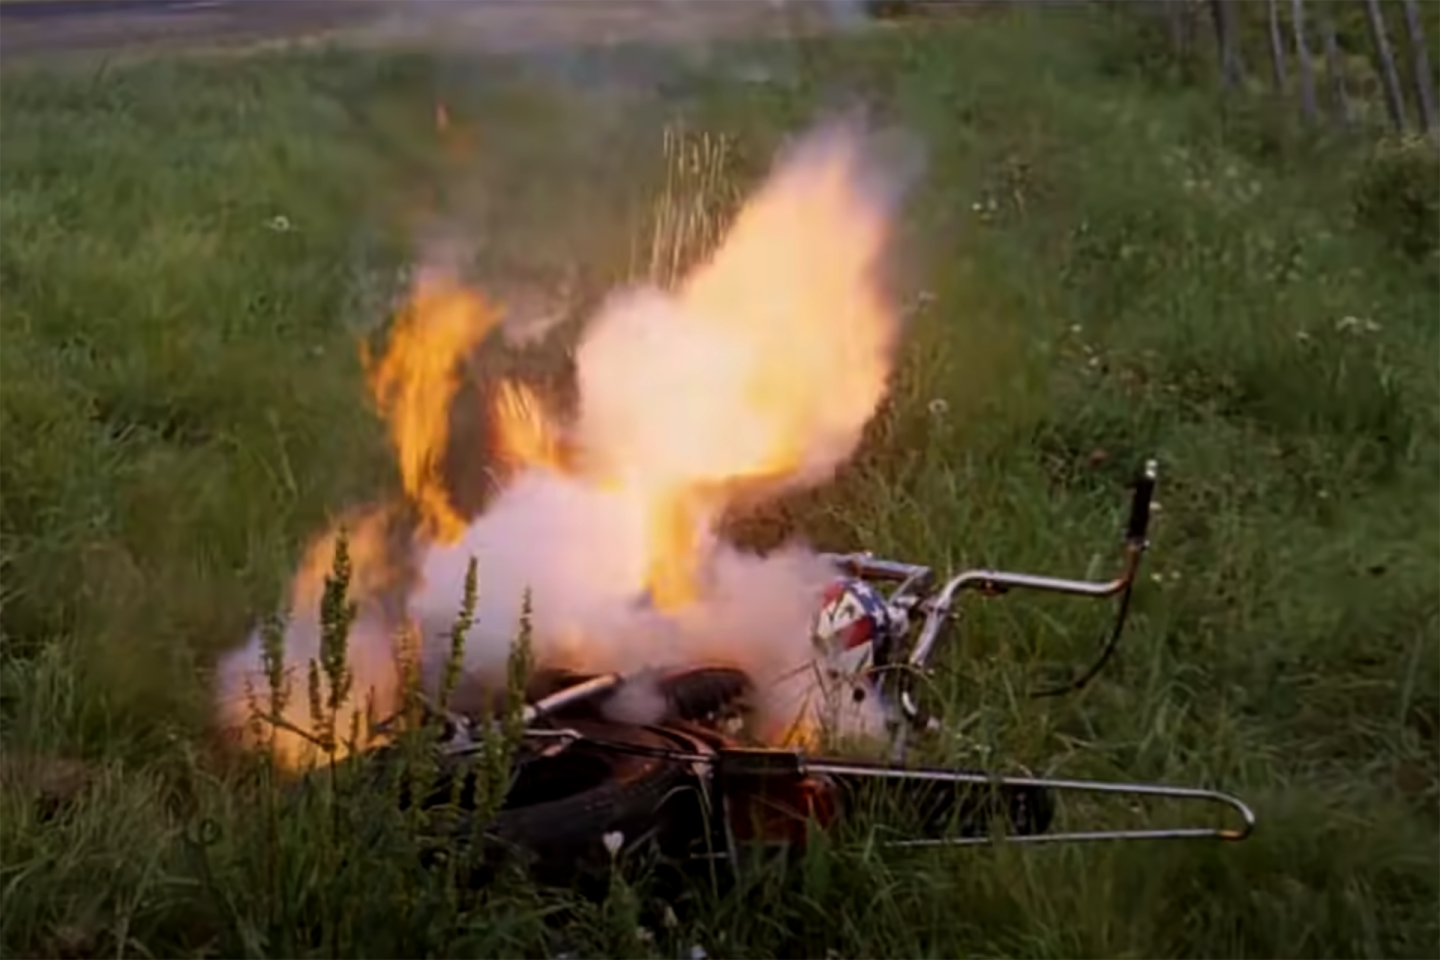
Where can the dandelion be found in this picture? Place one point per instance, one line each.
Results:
(938, 407)
(1076, 329)
(1356, 325)
(280, 223)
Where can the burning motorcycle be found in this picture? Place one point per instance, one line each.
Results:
(688, 784)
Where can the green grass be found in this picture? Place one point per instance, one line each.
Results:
(1117, 271)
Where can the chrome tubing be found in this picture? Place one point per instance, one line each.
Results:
(993, 582)
(570, 696)
(1234, 804)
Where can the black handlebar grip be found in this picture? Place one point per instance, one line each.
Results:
(1139, 523)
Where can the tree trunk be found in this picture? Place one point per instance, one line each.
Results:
(1179, 26)
(1385, 61)
(1420, 67)
(1302, 57)
(1277, 48)
(1333, 66)
(1231, 67)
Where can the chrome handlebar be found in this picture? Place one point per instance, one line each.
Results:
(913, 595)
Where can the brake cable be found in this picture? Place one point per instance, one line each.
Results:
(1082, 679)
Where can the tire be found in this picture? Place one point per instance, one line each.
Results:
(559, 810)
(638, 785)
(699, 694)
(629, 800)
(691, 694)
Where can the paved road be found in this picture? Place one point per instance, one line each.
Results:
(63, 9)
(69, 12)
(46, 27)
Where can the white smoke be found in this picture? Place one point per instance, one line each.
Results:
(779, 346)
(575, 550)
(777, 350)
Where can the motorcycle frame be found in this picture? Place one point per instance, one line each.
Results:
(718, 763)
(939, 609)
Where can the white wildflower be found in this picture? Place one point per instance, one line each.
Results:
(1357, 325)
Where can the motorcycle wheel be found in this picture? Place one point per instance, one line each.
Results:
(564, 812)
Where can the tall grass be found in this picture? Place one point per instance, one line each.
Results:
(1109, 270)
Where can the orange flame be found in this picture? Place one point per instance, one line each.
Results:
(524, 436)
(414, 384)
(457, 139)
(673, 573)
(754, 377)
(759, 374)
(372, 653)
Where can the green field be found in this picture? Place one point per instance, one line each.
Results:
(1118, 267)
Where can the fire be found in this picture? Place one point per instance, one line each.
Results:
(375, 644)
(758, 374)
(754, 376)
(525, 438)
(415, 382)
(457, 140)
(672, 573)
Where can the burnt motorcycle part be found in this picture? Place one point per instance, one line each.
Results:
(573, 786)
